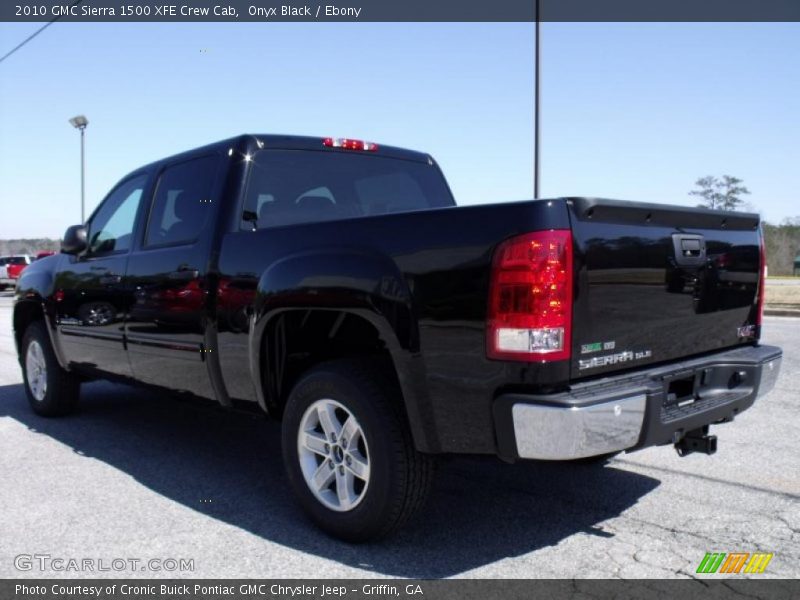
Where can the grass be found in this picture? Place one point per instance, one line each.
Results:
(782, 294)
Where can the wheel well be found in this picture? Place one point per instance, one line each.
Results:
(25, 313)
(296, 340)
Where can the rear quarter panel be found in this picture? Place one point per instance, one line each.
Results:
(423, 276)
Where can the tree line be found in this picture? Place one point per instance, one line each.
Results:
(30, 246)
(782, 244)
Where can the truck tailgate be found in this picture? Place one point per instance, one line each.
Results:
(656, 283)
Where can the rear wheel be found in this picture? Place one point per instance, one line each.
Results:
(348, 452)
(51, 390)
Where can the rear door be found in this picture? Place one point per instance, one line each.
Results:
(657, 283)
(168, 275)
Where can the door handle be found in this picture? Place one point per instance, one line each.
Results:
(184, 274)
(690, 249)
(110, 279)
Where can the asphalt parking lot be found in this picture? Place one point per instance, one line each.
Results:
(135, 475)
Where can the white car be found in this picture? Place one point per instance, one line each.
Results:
(3, 270)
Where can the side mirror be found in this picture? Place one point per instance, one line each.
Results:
(74, 241)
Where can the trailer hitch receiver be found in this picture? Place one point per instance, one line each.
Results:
(696, 440)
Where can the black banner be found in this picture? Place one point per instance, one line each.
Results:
(399, 10)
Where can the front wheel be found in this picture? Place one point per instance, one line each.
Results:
(51, 390)
(348, 452)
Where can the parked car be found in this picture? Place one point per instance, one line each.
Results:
(11, 267)
(335, 285)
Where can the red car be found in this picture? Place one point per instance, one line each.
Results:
(11, 267)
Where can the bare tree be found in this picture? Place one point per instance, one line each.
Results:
(732, 189)
(708, 191)
(720, 194)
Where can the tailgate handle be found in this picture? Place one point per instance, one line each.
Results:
(690, 249)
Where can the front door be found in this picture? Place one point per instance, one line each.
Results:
(90, 297)
(167, 272)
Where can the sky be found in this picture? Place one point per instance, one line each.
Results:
(630, 111)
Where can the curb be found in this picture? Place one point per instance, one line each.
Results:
(774, 311)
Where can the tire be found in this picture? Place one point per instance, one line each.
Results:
(386, 481)
(51, 391)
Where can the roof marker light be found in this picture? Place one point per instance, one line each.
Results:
(348, 144)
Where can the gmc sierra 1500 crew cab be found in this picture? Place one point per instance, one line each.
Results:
(335, 284)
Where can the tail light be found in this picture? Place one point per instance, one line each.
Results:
(762, 282)
(349, 144)
(530, 298)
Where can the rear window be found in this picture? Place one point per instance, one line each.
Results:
(300, 186)
(17, 260)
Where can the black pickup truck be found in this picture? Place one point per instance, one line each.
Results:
(335, 285)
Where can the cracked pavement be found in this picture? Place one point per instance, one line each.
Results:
(139, 475)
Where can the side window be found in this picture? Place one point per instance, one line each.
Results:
(112, 225)
(182, 202)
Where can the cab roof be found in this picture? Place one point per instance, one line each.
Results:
(250, 143)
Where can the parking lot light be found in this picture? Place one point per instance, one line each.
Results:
(80, 122)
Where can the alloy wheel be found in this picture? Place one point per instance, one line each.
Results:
(333, 454)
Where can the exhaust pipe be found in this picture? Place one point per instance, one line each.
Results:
(696, 440)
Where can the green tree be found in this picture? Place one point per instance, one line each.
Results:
(720, 194)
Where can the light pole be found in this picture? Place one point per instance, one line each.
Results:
(80, 122)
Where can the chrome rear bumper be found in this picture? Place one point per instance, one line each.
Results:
(557, 433)
(634, 410)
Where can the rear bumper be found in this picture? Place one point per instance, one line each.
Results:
(635, 410)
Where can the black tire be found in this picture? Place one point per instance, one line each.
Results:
(61, 390)
(399, 476)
